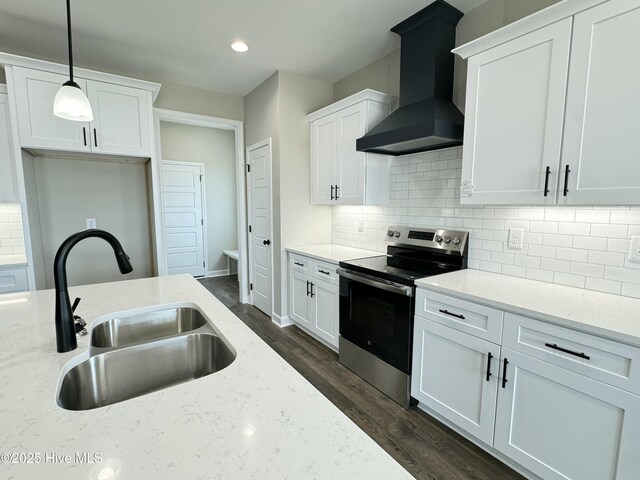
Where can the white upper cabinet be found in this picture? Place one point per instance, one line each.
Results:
(340, 175)
(35, 92)
(514, 116)
(8, 192)
(601, 148)
(529, 142)
(122, 116)
(121, 122)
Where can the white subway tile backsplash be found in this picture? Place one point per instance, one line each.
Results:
(602, 285)
(590, 243)
(11, 234)
(626, 216)
(584, 247)
(606, 258)
(575, 228)
(569, 280)
(631, 290)
(593, 216)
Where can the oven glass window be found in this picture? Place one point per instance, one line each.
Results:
(377, 321)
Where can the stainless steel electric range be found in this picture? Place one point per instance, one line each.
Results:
(377, 303)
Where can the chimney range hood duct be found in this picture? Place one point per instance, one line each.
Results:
(426, 118)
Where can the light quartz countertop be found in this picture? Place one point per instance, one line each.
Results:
(332, 253)
(611, 316)
(8, 261)
(256, 419)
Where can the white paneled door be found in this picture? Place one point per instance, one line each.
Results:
(183, 217)
(259, 182)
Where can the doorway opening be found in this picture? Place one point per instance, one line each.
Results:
(200, 191)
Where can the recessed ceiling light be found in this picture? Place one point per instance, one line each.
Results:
(239, 47)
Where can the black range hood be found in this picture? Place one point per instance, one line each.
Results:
(426, 118)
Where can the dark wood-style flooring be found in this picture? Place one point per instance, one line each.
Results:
(422, 445)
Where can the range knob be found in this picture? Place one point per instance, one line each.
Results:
(438, 238)
(390, 233)
(447, 239)
(396, 234)
(456, 240)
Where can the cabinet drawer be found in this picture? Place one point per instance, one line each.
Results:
(302, 264)
(477, 320)
(610, 362)
(13, 280)
(326, 272)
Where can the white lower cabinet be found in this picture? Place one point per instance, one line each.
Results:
(561, 425)
(313, 301)
(552, 402)
(13, 280)
(464, 386)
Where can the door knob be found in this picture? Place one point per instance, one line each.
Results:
(266, 242)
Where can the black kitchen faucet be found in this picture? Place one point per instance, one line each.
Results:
(65, 327)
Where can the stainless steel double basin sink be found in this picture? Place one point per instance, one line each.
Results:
(134, 354)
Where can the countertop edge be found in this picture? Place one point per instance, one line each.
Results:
(603, 332)
(300, 251)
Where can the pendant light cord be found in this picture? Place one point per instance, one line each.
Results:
(69, 38)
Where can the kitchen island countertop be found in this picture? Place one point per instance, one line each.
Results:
(258, 418)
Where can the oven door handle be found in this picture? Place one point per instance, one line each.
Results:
(399, 289)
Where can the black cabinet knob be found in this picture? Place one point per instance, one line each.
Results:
(266, 242)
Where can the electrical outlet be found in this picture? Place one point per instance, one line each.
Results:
(516, 238)
(361, 225)
(634, 251)
(91, 223)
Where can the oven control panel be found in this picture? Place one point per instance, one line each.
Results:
(442, 239)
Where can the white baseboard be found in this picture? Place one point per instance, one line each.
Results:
(284, 321)
(217, 273)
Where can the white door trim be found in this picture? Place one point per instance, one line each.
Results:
(262, 143)
(203, 197)
(211, 122)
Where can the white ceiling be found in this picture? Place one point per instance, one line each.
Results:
(187, 42)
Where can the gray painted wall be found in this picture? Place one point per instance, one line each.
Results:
(203, 102)
(384, 74)
(68, 191)
(277, 109)
(216, 149)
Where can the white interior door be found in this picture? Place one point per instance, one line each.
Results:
(259, 181)
(183, 218)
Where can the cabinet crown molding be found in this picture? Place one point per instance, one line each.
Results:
(547, 16)
(354, 99)
(9, 60)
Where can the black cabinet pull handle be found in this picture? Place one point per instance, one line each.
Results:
(447, 312)
(266, 242)
(312, 294)
(337, 196)
(332, 187)
(298, 264)
(566, 180)
(570, 352)
(546, 181)
(324, 271)
(95, 137)
(84, 135)
(489, 357)
(504, 373)
(308, 283)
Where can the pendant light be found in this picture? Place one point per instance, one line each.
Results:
(71, 103)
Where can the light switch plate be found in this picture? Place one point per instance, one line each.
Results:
(516, 238)
(91, 223)
(634, 251)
